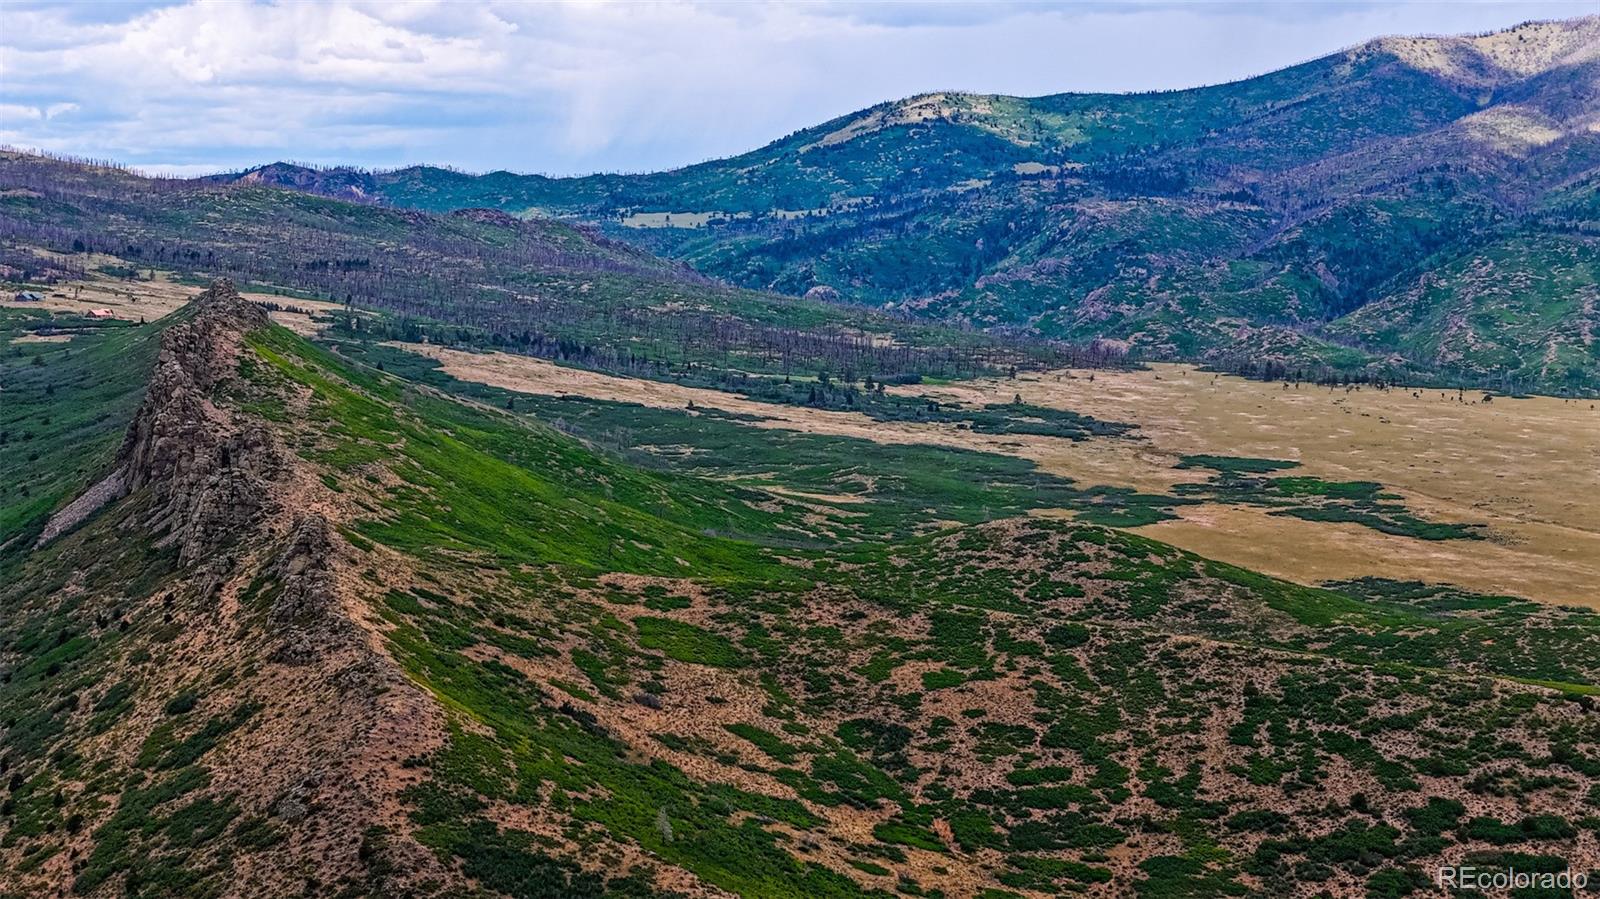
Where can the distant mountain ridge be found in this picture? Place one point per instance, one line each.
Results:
(1251, 223)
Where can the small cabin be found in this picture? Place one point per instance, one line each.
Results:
(28, 296)
(101, 313)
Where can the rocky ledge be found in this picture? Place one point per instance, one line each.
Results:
(207, 471)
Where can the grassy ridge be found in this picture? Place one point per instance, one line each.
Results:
(1030, 705)
(988, 601)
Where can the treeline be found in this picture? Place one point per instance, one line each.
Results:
(22, 264)
(718, 348)
(1303, 373)
(1392, 377)
(872, 399)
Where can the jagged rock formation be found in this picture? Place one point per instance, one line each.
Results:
(306, 605)
(207, 472)
(261, 632)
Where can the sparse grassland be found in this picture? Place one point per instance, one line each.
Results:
(1522, 468)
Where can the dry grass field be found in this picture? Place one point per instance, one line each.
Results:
(1527, 468)
(152, 299)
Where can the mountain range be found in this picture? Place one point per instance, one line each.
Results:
(1411, 207)
(537, 285)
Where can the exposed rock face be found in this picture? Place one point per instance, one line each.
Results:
(306, 608)
(214, 475)
(207, 472)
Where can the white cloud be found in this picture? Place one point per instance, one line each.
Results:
(583, 86)
(17, 111)
(192, 170)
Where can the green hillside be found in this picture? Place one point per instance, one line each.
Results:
(1521, 310)
(476, 649)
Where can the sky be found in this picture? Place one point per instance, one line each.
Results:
(584, 86)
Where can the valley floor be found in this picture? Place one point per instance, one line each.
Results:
(1526, 468)
(148, 300)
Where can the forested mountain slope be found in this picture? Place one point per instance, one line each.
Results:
(1241, 222)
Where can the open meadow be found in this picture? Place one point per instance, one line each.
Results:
(154, 296)
(1527, 469)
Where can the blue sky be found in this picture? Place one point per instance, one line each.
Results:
(564, 88)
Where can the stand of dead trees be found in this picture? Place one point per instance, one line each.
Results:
(482, 278)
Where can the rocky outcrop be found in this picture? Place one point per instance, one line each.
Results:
(306, 609)
(271, 598)
(207, 470)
